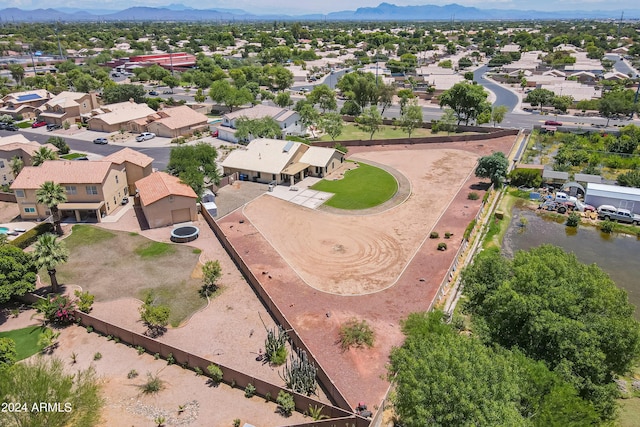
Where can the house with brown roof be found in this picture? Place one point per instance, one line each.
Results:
(17, 146)
(115, 117)
(172, 122)
(24, 104)
(288, 120)
(136, 164)
(93, 188)
(165, 200)
(68, 107)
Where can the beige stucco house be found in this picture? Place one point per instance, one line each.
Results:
(165, 200)
(68, 107)
(116, 117)
(24, 104)
(93, 188)
(172, 122)
(136, 164)
(17, 146)
(279, 161)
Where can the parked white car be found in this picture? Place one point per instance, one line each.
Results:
(145, 136)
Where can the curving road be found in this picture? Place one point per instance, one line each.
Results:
(503, 96)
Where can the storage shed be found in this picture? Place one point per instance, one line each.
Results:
(620, 197)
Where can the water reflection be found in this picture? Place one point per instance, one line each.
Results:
(616, 254)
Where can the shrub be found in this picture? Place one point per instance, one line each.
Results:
(89, 329)
(434, 235)
(237, 422)
(486, 197)
(156, 356)
(448, 235)
(275, 346)
(57, 309)
(607, 226)
(573, 220)
(153, 385)
(29, 237)
(84, 301)
(442, 246)
(469, 230)
(356, 334)
(140, 349)
(215, 373)
(132, 374)
(198, 371)
(285, 402)
(170, 359)
(97, 356)
(249, 391)
(473, 196)
(267, 397)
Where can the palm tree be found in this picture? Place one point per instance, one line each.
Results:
(43, 154)
(51, 195)
(16, 165)
(48, 253)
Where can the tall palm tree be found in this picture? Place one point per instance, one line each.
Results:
(16, 165)
(51, 195)
(43, 154)
(48, 253)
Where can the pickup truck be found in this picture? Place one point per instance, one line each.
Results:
(617, 214)
(550, 205)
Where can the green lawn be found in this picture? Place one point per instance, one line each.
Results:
(26, 340)
(361, 188)
(72, 156)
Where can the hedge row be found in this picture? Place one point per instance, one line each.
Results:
(31, 236)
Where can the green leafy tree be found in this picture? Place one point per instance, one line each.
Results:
(17, 272)
(283, 100)
(370, 120)
(448, 121)
(43, 154)
(359, 87)
(17, 73)
(46, 380)
(385, 94)
(324, 97)
(466, 100)
(195, 165)
(494, 167)
(617, 103)
(59, 143)
(49, 252)
(562, 102)
(171, 81)
(123, 93)
(411, 119)
(309, 117)
(331, 124)
(557, 310)
(629, 179)
(211, 273)
(540, 97)
(154, 316)
(279, 78)
(8, 353)
(266, 127)
(51, 195)
(497, 114)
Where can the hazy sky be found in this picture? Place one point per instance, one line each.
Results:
(324, 6)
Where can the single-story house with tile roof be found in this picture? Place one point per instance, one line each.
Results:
(165, 200)
(136, 164)
(17, 146)
(288, 120)
(93, 188)
(173, 122)
(24, 104)
(68, 107)
(115, 117)
(279, 161)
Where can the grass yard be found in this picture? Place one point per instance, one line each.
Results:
(114, 264)
(73, 156)
(26, 340)
(361, 188)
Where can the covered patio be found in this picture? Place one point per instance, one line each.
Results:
(82, 212)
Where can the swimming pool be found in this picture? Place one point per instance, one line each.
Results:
(4, 230)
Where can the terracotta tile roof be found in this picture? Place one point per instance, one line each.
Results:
(128, 155)
(62, 172)
(180, 117)
(159, 185)
(28, 147)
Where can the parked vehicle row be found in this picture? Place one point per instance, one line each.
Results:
(611, 213)
(8, 126)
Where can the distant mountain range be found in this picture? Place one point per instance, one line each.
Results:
(382, 12)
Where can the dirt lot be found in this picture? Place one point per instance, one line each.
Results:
(9, 212)
(406, 252)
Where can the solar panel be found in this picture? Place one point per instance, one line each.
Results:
(287, 147)
(28, 97)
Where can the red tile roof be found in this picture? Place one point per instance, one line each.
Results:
(159, 185)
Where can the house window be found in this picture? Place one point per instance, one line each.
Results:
(92, 189)
(20, 193)
(71, 189)
(116, 179)
(274, 177)
(1, 163)
(29, 210)
(114, 200)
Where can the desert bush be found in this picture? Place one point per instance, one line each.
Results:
(573, 220)
(249, 391)
(153, 385)
(434, 235)
(442, 246)
(473, 196)
(285, 402)
(84, 301)
(215, 373)
(356, 334)
(607, 226)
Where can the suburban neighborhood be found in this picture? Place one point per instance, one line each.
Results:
(319, 222)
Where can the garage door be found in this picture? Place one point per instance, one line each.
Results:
(180, 215)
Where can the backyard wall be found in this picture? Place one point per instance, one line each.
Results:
(8, 197)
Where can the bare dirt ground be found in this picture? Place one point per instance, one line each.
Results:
(405, 251)
(126, 405)
(9, 212)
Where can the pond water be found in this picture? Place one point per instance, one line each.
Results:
(618, 255)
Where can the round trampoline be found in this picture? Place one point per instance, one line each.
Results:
(184, 234)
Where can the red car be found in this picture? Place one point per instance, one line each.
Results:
(39, 124)
(552, 123)
(214, 133)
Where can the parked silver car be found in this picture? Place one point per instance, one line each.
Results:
(612, 213)
(145, 136)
